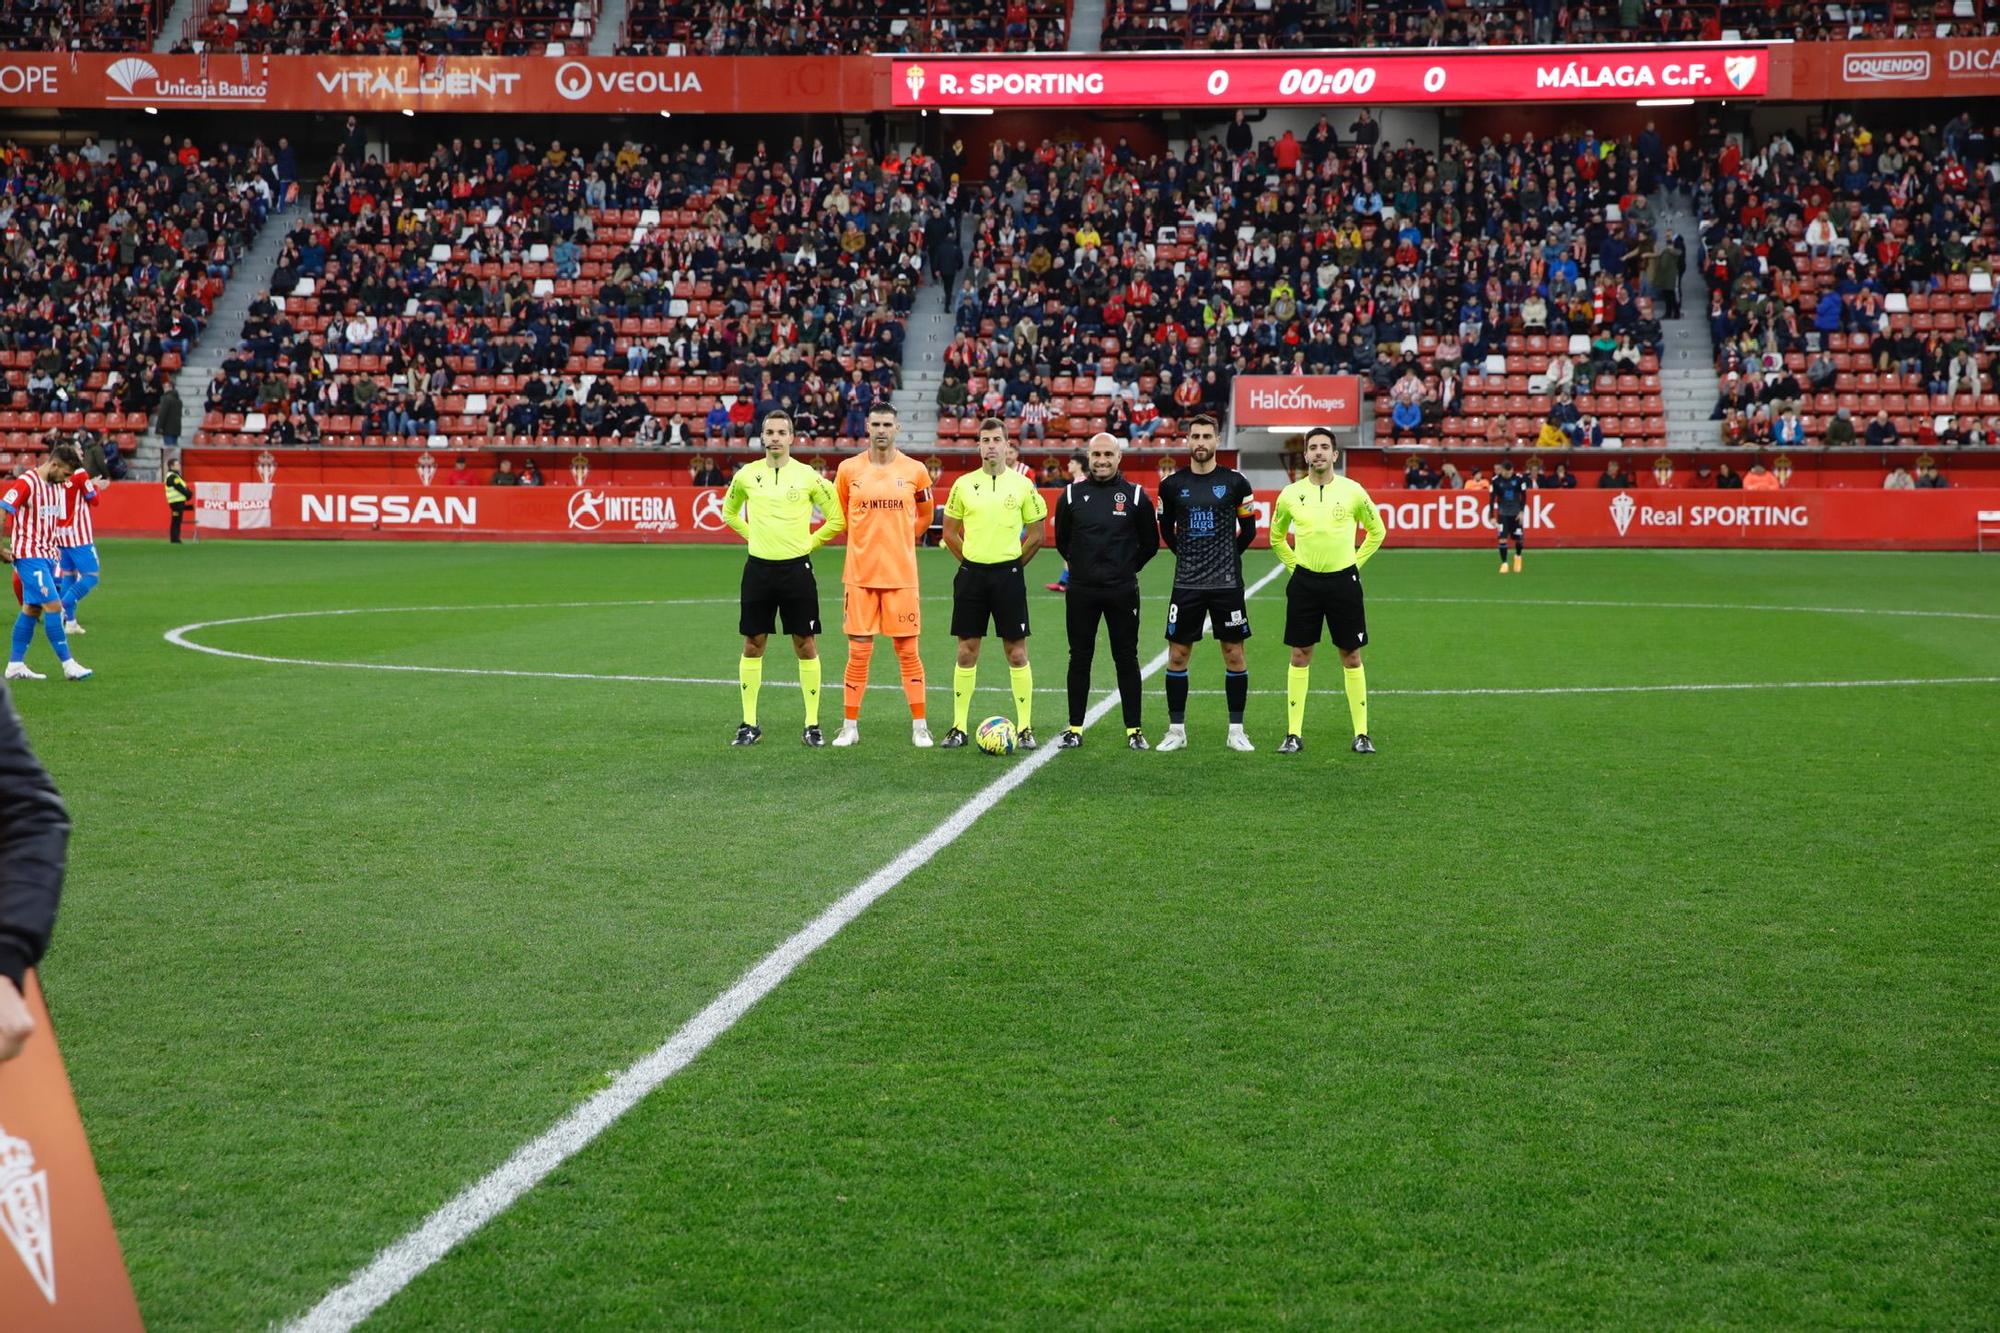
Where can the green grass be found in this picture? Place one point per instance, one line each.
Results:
(1631, 1009)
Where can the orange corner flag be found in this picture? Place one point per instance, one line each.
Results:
(60, 1266)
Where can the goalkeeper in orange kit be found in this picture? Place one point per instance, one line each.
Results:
(886, 496)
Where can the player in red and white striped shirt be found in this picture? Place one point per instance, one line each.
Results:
(31, 509)
(77, 567)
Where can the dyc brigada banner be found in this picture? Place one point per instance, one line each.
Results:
(1371, 77)
(1947, 520)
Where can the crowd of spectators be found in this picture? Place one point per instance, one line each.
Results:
(842, 27)
(1851, 278)
(1169, 25)
(79, 25)
(635, 295)
(1111, 290)
(394, 27)
(110, 260)
(795, 27)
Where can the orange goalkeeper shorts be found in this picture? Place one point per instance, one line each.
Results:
(891, 611)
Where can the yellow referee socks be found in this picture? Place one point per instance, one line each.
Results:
(1297, 681)
(963, 681)
(1023, 679)
(750, 677)
(809, 686)
(1356, 683)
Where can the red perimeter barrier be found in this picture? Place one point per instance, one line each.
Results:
(642, 85)
(1947, 520)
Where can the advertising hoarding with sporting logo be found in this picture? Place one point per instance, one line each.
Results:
(626, 85)
(1371, 77)
(595, 85)
(1858, 519)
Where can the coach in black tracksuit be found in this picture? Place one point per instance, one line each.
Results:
(34, 845)
(1106, 530)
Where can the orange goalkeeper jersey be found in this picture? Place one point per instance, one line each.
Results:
(888, 506)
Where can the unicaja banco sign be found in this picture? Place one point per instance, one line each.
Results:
(1297, 400)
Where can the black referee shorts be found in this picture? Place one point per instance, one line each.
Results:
(995, 594)
(1331, 601)
(775, 588)
(1118, 608)
(1224, 609)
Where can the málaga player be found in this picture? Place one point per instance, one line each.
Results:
(1312, 531)
(77, 568)
(1208, 522)
(886, 498)
(1510, 503)
(993, 524)
(31, 508)
(780, 493)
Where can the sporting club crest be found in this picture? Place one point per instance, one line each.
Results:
(24, 1212)
(427, 467)
(1623, 507)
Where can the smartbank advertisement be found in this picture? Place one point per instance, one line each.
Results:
(1948, 520)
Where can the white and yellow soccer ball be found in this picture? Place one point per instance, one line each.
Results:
(996, 735)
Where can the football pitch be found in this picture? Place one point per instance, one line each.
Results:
(1646, 976)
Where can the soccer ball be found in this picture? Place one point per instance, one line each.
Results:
(995, 736)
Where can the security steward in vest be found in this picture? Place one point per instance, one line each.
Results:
(179, 496)
(1107, 529)
(993, 523)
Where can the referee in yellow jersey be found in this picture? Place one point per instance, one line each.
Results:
(779, 494)
(993, 523)
(1312, 531)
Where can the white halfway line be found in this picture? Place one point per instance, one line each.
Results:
(401, 1262)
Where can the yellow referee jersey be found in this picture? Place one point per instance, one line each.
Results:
(780, 501)
(993, 510)
(1321, 521)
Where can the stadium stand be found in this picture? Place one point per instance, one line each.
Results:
(1482, 290)
(1854, 267)
(514, 295)
(112, 261)
(843, 27)
(392, 27)
(78, 25)
(1172, 25)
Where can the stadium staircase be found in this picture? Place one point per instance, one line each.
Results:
(1688, 382)
(926, 335)
(1086, 25)
(610, 29)
(173, 26)
(222, 335)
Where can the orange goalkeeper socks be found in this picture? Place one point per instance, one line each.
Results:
(913, 674)
(856, 679)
